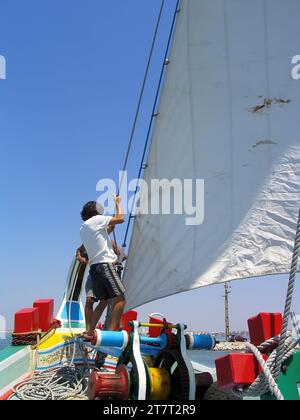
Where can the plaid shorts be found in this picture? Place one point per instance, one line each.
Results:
(105, 282)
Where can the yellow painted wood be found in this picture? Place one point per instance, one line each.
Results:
(55, 340)
(160, 384)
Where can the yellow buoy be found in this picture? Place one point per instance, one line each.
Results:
(160, 384)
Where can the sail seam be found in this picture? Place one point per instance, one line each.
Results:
(228, 64)
(192, 121)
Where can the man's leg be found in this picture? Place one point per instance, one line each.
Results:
(89, 312)
(117, 312)
(97, 315)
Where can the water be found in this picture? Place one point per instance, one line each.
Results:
(206, 358)
(5, 343)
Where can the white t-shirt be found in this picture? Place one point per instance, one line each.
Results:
(96, 240)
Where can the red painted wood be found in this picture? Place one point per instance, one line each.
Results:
(46, 310)
(27, 321)
(128, 317)
(237, 370)
(264, 326)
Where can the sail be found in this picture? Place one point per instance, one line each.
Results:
(229, 114)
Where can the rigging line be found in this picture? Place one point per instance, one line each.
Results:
(140, 101)
(153, 115)
(142, 91)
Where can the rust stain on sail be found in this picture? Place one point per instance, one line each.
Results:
(262, 143)
(267, 103)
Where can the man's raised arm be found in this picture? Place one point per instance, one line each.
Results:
(119, 218)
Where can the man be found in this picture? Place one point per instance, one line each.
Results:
(105, 284)
(92, 317)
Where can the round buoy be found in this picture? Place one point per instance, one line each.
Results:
(103, 386)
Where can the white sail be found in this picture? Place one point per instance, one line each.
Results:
(230, 115)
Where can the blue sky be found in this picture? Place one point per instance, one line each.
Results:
(74, 70)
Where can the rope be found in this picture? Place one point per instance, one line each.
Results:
(70, 310)
(67, 382)
(288, 304)
(142, 90)
(267, 380)
(27, 339)
(62, 384)
(272, 385)
(34, 337)
(153, 115)
(140, 100)
(137, 115)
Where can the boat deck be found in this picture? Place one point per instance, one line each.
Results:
(9, 352)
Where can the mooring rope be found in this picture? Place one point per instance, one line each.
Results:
(267, 380)
(288, 303)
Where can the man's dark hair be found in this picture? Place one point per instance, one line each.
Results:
(91, 209)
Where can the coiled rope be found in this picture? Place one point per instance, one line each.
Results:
(68, 382)
(61, 384)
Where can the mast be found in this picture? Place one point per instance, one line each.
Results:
(227, 320)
